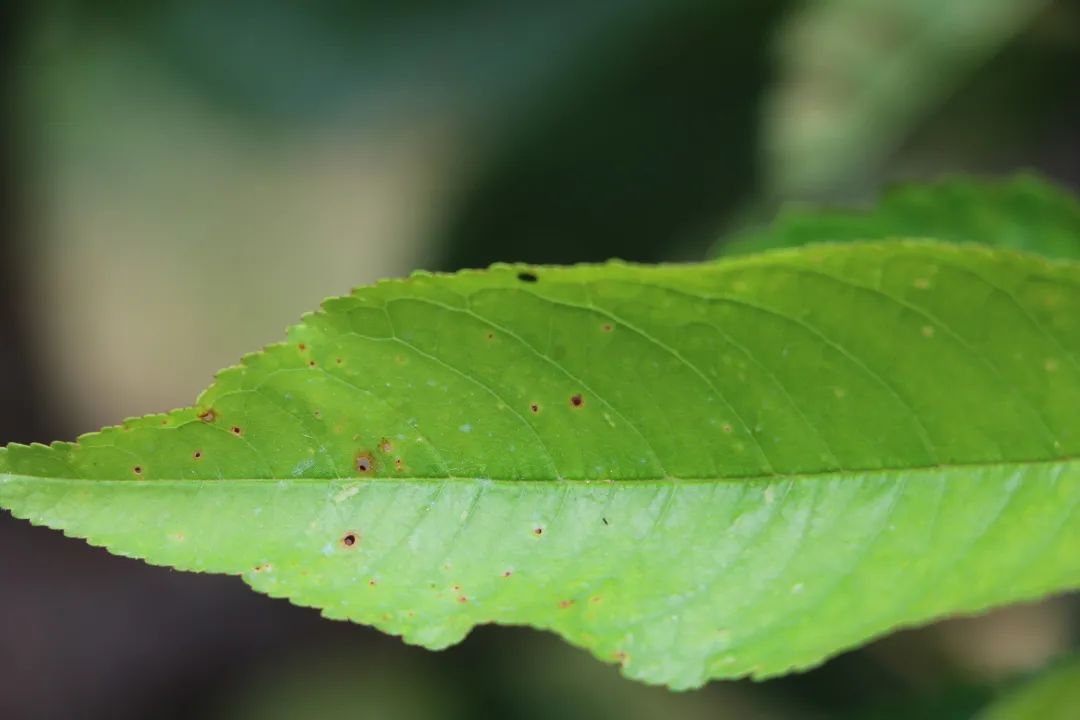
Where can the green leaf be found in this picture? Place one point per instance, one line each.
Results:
(699, 471)
(1052, 695)
(1024, 213)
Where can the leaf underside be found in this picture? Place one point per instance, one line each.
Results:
(697, 471)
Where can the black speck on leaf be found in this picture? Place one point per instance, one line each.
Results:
(528, 277)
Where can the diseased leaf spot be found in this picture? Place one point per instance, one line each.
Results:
(339, 361)
(208, 415)
(350, 540)
(595, 600)
(264, 567)
(398, 464)
(372, 582)
(456, 588)
(607, 327)
(528, 277)
(490, 335)
(236, 430)
(137, 469)
(365, 463)
(302, 347)
(620, 657)
(311, 363)
(564, 604)
(726, 427)
(538, 531)
(197, 455)
(386, 446)
(462, 599)
(577, 400)
(507, 573)
(534, 408)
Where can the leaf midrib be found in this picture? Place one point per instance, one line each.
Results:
(644, 482)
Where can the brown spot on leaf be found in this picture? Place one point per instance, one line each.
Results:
(372, 582)
(462, 599)
(365, 463)
(386, 446)
(137, 469)
(620, 657)
(208, 415)
(350, 540)
(236, 430)
(534, 407)
(726, 427)
(339, 361)
(197, 455)
(265, 567)
(302, 347)
(564, 604)
(607, 327)
(398, 464)
(595, 599)
(507, 573)
(490, 335)
(538, 531)
(455, 588)
(311, 363)
(576, 400)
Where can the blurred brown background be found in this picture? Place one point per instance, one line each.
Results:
(183, 179)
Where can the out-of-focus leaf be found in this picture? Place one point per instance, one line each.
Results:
(1024, 213)
(856, 76)
(1052, 695)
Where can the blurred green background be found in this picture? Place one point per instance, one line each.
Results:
(183, 179)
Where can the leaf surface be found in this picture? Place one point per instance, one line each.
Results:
(1023, 213)
(697, 471)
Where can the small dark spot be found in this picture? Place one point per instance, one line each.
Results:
(197, 455)
(577, 400)
(490, 336)
(595, 599)
(137, 469)
(528, 277)
(207, 416)
(535, 407)
(607, 327)
(398, 464)
(311, 363)
(365, 463)
(318, 414)
(339, 361)
(372, 582)
(165, 421)
(350, 540)
(507, 573)
(386, 446)
(235, 430)
(302, 347)
(462, 599)
(262, 568)
(455, 588)
(566, 603)
(604, 519)
(538, 531)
